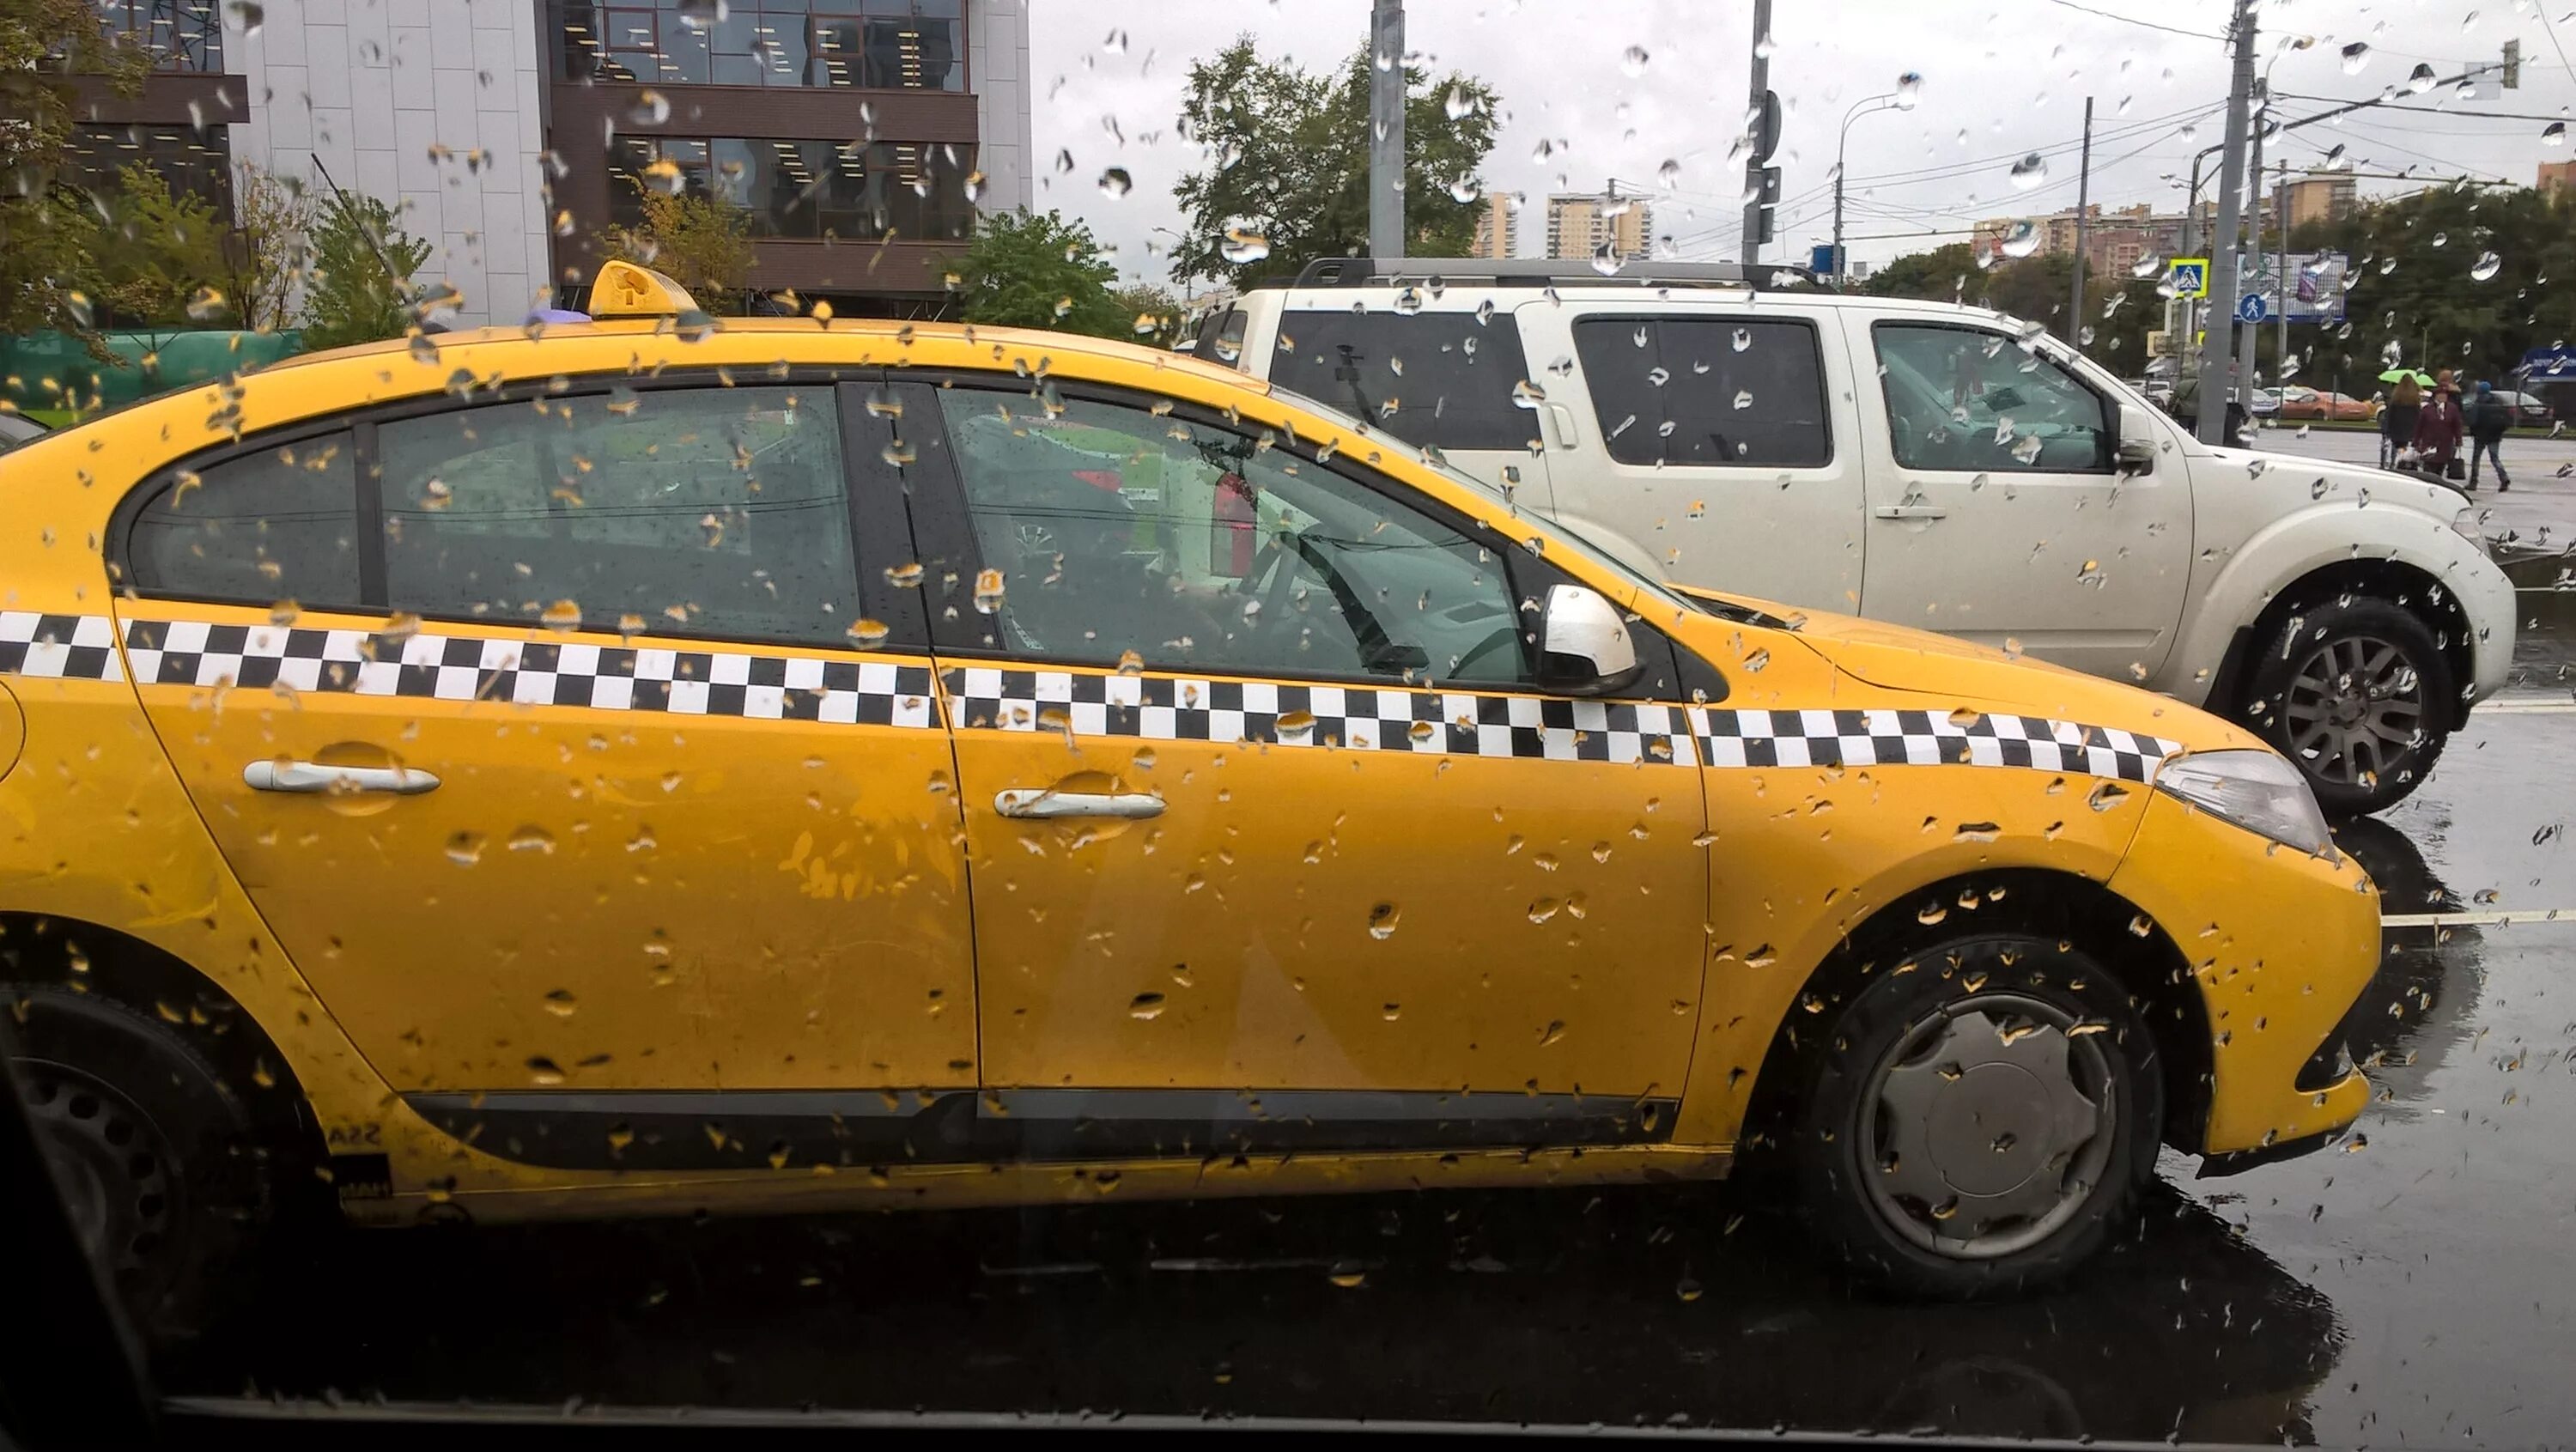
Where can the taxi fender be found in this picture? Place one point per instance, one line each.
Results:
(1763, 990)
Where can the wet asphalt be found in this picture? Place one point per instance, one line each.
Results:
(2417, 1286)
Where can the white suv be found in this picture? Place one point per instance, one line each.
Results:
(1932, 465)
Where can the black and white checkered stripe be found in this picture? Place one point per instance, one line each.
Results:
(1922, 738)
(753, 685)
(774, 687)
(61, 647)
(1362, 718)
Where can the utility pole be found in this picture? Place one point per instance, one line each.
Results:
(1386, 128)
(2211, 397)
(1757, 203)
(2281, 205)
(2083, 196)
(2253, 332)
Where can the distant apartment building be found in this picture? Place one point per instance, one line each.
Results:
(862, 136)
(2316, 197)
(2115, 240)
(2555, 177)
(1578, 223)
(1498, 228)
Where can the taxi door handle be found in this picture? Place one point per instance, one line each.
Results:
(1039, 802)
(314, 777)
(1911, 511)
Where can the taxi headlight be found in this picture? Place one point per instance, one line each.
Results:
(2257, 791)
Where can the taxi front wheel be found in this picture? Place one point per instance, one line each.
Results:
(1980, 1119)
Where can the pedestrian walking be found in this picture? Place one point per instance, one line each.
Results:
(2488, 418)
(2397, 420)
(2438, 428)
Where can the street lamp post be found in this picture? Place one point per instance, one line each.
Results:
(1867, 104)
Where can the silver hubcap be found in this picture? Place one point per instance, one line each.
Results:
(2354, 710)
(1987, 1126)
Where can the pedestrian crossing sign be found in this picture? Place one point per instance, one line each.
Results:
(2189, 276)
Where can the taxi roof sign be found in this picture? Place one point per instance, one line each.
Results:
(625, 290)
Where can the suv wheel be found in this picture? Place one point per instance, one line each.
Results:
(2357, 692)
(1980, 1120)
(152, 1150)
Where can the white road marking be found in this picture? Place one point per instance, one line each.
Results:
(2525, 707)
(2480, 919)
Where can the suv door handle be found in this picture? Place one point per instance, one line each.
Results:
(1910, 511)
(1563, 417)
(314, 776)
(1039, 802)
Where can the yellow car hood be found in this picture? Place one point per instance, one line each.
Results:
(1955, 673)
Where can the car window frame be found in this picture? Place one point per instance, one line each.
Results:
(945, 532)
(2107, 441)
(866, 492)
(1815, 337)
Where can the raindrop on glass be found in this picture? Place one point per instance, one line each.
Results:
(1115, 183)
(2030, 171)
(1632, 61)
(2486, 266)
(2355, 56)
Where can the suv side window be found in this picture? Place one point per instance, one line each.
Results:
(1707, 390)
(1442, 380)
(1962, 398)
(1121, 534)
(713, 511)
(279, 524)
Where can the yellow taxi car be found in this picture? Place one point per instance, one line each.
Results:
(642, 767)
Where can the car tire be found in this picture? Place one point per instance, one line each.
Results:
(2356, 690)
(154, 1153)
(1951, 1087)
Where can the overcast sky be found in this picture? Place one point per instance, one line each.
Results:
(2001, 79)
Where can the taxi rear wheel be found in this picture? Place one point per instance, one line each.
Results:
(1980, 1119)
(153, 1152)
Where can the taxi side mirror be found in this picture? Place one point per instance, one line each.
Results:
(1584, 647)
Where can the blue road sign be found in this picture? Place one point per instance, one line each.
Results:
(2250, 309)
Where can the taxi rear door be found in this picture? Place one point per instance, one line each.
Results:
(573, 783)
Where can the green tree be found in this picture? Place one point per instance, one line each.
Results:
(1941, 275)
(360, 284)
(1154, 315)
(268, 248)
(166, 257)
(1288, 164)
(2415, 284)
(48, 239)
(701, 241)
(1025, 270)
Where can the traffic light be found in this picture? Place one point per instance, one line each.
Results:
(1760, 180)
(2512, 65)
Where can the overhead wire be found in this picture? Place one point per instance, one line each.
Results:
(2133, 20)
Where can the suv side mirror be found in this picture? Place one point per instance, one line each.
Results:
(2136, 451)
(1584, 647)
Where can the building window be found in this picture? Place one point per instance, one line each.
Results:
(193, 164)
(915, 45)
(914, 191)
(182, 35)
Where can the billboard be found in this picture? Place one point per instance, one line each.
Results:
(2317, 284)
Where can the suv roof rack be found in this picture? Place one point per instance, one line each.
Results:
(1537, 272)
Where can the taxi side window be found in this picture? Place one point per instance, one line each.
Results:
(1960, 398)
(715, 511)
(279, 524)
(1120, 532)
